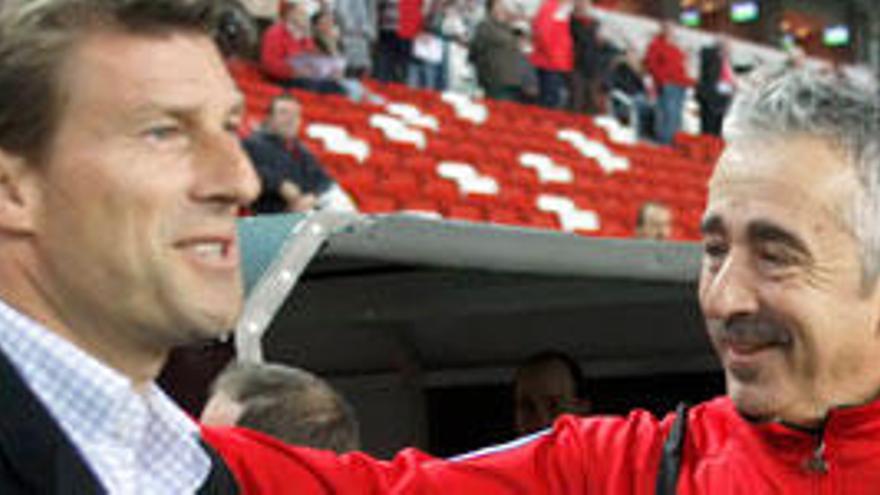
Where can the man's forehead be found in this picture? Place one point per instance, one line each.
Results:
(286, 104)
(181, 70)
(797, 172)
(799, 160)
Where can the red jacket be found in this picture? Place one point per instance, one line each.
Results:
(552, 45)
(666, 64)
(411, 20)
(723, 454)
(279, 47)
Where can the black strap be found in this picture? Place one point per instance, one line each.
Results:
(220, 481)
(670, 462)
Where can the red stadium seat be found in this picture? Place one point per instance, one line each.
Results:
(464, 212)
(401, 176)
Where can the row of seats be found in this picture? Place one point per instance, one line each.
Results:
(494, 161)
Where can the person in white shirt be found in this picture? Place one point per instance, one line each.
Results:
(121, 177)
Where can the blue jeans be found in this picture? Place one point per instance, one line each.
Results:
(667, 117)
(552, 88)
(421, 74)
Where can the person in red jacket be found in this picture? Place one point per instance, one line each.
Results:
(666, 63)
(789, 289)
(286, 39)
(289, 54)
(553, 51)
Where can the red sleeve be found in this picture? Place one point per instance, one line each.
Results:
(411, 21)
(539, 56)
(595, 456)
(275, 52)
(666, 64)
(652, 60)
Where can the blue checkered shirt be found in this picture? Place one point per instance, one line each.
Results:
(136, 441)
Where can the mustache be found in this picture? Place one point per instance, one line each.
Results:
(750, 330)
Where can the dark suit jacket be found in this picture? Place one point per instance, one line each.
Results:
(37, 458)
(710, 74)
(275, 163)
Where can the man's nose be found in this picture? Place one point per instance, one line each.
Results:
(227, 175)
(731, 290)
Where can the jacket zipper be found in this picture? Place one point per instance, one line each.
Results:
(816, 464)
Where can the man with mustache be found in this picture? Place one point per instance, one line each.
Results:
(789, 290)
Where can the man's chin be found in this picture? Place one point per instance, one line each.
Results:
(209, 324)
(752, 401)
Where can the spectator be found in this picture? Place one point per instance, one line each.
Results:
(290, 56)
(547, 385)
(118, 216)
(426, 66)
(553, 51)
(586, 83)
(399, 22)
(496, 55)
(665, 63)
(287, 403)
(460, 19)
(358, 28)
(654, 221)
(715, 86)
(286, 39)
(329, 63)
(626, 78)
(292, 178)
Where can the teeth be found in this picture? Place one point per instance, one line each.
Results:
(209, 250)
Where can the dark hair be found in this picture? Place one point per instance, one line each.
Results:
(37, 36)
(581, 386)
(236, 32)
(290, 404)
(324, 45)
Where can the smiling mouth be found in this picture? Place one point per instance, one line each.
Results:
(210, 250)
(211, 253)
(746, 348)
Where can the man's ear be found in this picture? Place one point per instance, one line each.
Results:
(17, 193)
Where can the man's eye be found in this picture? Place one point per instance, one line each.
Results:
(162, 133)
(776, 258)
(713, 254)
(714, 249)
(233, 126)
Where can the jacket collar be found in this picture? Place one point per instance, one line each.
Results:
(33, 445)
(850, 434)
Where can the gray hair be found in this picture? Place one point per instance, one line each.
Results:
(290, 404)
(842, 111)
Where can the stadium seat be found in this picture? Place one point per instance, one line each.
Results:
(397, 157)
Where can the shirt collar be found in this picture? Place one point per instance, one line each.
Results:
(89, 399)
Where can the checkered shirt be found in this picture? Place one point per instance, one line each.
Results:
(135, 441)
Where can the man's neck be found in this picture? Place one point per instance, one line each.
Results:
(138, 361)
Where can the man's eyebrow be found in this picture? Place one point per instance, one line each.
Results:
(182, 112)
(764, 231)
